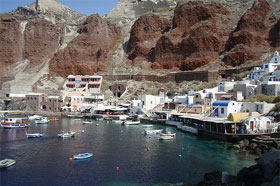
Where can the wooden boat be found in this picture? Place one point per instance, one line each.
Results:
(43, 120)
(82, 156)
(34, 135)
(130, 122)
(7, 163)
(166, 137)
(66, 135)
(11, 123)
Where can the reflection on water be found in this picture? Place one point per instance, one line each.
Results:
(46, 160)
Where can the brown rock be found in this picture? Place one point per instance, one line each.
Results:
(87, 53)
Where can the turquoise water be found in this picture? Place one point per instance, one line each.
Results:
(46, 160)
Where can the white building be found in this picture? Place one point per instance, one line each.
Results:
(257, 124)
(226, 86)
(274, 64)
(223, 108)
(260, 107)
(149, 102)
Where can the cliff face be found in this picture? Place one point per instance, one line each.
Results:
(207, 32)
(88, 52)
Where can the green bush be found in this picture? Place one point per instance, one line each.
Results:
(105, 85)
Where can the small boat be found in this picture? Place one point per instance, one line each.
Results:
(117, 121)
(98, 119)
(76, 119)
(147, 126)
(130, 122)
(168, 134)
(67, 134)
(153, 132)
(34, 135)
(7, 163)
(43, 120)
(34, 117)
(11, 123)
(87, 122)
(53, 119)
(166, 137)
(82, 156)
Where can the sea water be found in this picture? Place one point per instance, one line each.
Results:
(141, 160)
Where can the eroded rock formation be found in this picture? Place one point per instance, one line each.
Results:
(87, 53)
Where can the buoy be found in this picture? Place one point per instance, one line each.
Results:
(118, 168)
(70, 159)
(148, 148)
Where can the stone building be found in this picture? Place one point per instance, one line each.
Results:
(118, 88)
(42, 102)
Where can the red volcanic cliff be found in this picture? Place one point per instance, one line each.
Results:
(41, 40)
(248, 41)
(87, 53)
(199, 33)
(144, 34)
(11, 43)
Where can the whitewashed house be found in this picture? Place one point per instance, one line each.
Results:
(223, 108)
(258, 124)
(260, 107)
(226, 86)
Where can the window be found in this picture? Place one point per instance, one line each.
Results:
(34, 98)
(266, 66)
(31, 98)
(222, 110)
(196, 96)
(50, 108)
(151, 102)
(27, 98)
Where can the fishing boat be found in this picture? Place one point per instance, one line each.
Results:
(87, 122)
(67, 134)
(166, 137)
(7, 163)
(34, 135)
(82, 156)
(34, 117)
(43, 120)
(10, 123)
(153, 132)
(130, 122)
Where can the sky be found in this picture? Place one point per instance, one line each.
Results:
(87, 7)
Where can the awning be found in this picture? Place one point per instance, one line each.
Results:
(237, 117)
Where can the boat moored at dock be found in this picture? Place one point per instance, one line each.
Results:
(10, 123)
(34, 135)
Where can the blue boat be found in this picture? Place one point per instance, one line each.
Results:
(82, 156)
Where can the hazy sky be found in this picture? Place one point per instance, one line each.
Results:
(83, 6)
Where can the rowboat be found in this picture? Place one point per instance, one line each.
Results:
(87, 122)
(168, 134)
(7, 163)
(34, 135)
(66, 135)
(82, 156)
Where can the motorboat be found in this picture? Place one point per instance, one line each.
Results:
(43, 120)
(7, 163)
(147, 126)
(67, 134)
(166, 137)
(34, 117)
(10, 123)
(87, 122)
(131, 122)
(153, 132)
(82, 156)
(167, 134)
(34, 135)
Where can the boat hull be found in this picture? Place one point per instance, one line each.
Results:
(82, 156)
(7, 163)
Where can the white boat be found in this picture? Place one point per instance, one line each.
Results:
(130, 122)
(43, 120)
(153, 132)
(117, 121)
(82, 156)
(34, 135)
(168, 134)
(7, 163)
(11, 123)
(76, 119)
(166, 137)
(34, 117)
(67, 134)
(87, 122)
(147, 126)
